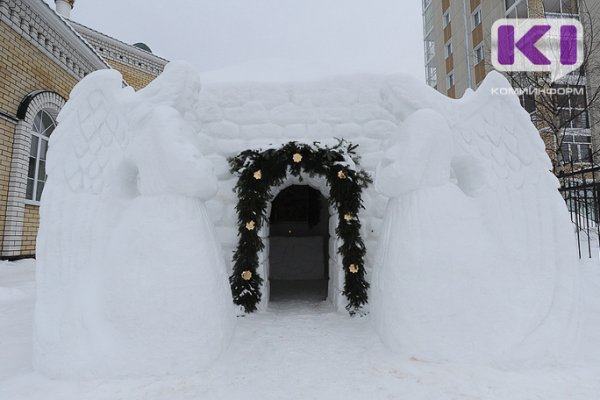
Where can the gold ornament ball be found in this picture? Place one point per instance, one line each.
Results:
(353, 268)
(341, 174)
(250, 225)
(246, 275)
(297, 157)
(348, 217)
(258, 175)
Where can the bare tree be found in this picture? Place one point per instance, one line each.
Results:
(564, 111)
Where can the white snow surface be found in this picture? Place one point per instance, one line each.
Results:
(131, 280)
(299, 351)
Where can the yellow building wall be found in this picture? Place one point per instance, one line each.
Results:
(136, 78)
(31, 224)
(7, 130)
(23, 69)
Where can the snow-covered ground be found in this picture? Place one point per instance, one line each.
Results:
(300, 351)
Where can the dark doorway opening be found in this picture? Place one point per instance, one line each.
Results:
(299, 243)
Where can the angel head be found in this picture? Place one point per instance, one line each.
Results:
(178, 87)
(418, 156)
(160, 122)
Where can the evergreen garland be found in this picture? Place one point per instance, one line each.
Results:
(261, 170)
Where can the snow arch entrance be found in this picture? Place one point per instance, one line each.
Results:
(335, 283)
(298, 246)
(260, 173)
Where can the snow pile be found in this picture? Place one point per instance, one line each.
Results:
(477, 260)
(13, 289)
(131, 280)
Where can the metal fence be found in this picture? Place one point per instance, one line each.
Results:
(581, 191)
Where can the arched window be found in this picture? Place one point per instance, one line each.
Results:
(43, 126)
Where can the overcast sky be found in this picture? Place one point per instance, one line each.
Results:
(333, 36)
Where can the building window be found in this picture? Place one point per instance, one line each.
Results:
(430, 61)
(446, 18)
(448, 48)
(450, 80)
(43, 126)
(427, 20)
(561, 7)
(516, 8)
(577, 148)
(572, 107)
(476, 18)
(429, 49)
(431, 72)
(479, 54)
(529, 104)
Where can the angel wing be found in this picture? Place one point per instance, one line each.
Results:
(92, 133)
(521, 204)
(75, 222)
(492, 129)
(499, 157)
(500, 162)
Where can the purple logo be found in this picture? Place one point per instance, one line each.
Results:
(537, 45)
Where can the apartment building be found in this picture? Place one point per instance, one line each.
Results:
(457, 42)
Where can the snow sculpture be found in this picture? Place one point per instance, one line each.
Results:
(475, 261)
(131, 280)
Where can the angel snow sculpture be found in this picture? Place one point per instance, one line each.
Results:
(476, 260)
(130, 278)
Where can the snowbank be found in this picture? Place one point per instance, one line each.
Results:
(306, 352)
(16, 284)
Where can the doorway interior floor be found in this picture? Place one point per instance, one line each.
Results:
(298, 290)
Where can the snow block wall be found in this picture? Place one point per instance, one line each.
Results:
(235, 117)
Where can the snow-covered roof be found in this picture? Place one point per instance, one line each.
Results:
(137, 57)
(77, 56)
